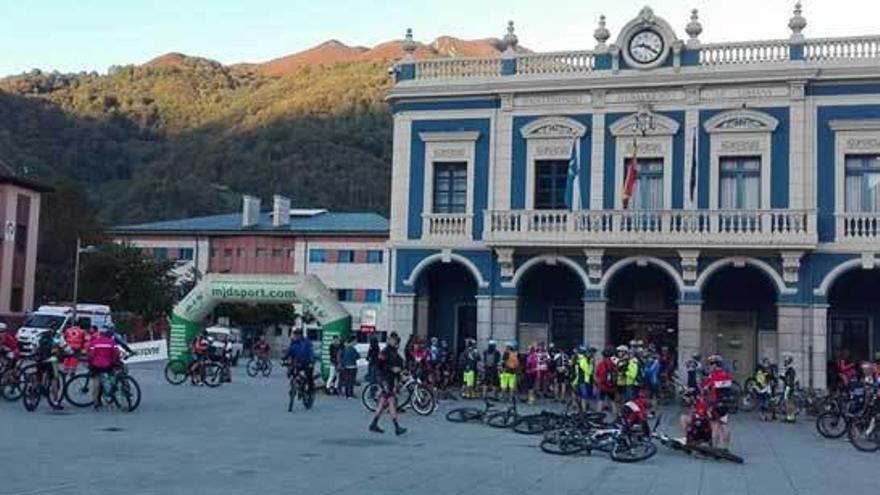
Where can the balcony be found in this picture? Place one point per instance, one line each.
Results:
(858, 228)
(447, 226)
(654, 228)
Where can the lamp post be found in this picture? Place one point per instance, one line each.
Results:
(80, 249)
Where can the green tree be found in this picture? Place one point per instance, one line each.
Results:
(126, 280)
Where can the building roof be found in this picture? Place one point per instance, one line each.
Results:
(320, 223)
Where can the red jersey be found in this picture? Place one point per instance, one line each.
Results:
(9, 343)
(419, 355)
(262, 349)
(102, 352)
(200, 346)
(75, 337)
(605, 375)
(717, 384)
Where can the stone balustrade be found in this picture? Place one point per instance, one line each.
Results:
(674, 228)
(858, 227)
(457, 68)
(853, 48)
(447, 226)
(744, 52)
(555, 63)
(710, 55)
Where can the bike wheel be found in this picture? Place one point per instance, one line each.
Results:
(78, 390)
(423, 401)
(464, 415)
(533, 424)
(32, 393)
(253, 367)
(11, 388)
(563, 442)
(267, 368)
(864, 435)
(628, 449)
(370, 397)
(308, 398)
(831, 425)
(176, 371)
(212, 374)
(127, 394)
(55, 391)
(503, 419)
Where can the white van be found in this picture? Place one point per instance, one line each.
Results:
(220, 335)
(56, 319)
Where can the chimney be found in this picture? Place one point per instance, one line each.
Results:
(250, 211)
(280, 211)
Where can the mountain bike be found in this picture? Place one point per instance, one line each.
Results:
(684, 445)
(505, 419)
(259, 365)
(209, 372)
(42, 380)
(840, 412)
(622, 444)
(299, 390)
(544, 421)
(410, 392)
(476, 415)
(11, 380)
(122, 391)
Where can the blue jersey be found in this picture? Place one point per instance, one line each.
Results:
(301, 351)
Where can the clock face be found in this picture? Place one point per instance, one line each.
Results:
(646, 46)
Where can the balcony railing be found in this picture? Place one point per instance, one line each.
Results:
(858, 227)
(447, 226)
(757, 228)
(710, 56)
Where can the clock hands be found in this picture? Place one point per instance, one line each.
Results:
(652, 50)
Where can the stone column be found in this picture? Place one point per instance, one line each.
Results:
(689, 331)
(819, 341)
(484, 320)
(504, 319)
(595, 322)
(401, 314)
(791, 327)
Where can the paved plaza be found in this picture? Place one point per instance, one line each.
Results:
(240, 439)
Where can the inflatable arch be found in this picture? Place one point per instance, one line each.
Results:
(216, 288)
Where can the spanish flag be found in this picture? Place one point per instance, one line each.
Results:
(632, 174)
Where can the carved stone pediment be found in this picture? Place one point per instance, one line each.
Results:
(741, 121)
(554, 127)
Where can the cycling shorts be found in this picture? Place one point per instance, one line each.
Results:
(585, 391)
(470, 378)
(508, 381)
(490, 376)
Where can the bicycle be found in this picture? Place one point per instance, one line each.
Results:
(476, 415)
(299, 389)
(11, 381)
(259, 365)
(622, 444)
(39, 382)
(209, 372)
(418, 396)
(124, 391)
(683, 445)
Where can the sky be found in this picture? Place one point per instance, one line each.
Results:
(75, 35)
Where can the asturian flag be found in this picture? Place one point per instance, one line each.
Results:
(573, 182)
(632, 175)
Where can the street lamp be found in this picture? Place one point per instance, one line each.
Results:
(80, 249)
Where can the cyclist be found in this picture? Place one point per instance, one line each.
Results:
(332, 386)
(301, 358)
(509, 369)
(102, 355)
(8, 346)
(606, 381)
(846, 370)
(262, 348)
(435, 360)
(717, 387)
(789, 382)
(491, 363)
(46, 354)
(75, 338)
(694, 369)
(390, 368)
(562, 366)
(651, 374)
(199, 348)
(764, 390)
(582, 372)
(418, 360)
(469, 361)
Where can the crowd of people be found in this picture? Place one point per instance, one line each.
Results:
(64, 352)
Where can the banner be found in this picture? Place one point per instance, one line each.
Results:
(154, 350)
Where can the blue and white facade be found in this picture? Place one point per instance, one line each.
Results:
(754, 226)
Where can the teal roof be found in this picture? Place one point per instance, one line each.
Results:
(331, 223)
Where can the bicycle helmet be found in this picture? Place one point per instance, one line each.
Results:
(788, 360)
(696, 357)
(714, 359)
(3, 327)
(622, 348)
(492, 343)
(607, 352)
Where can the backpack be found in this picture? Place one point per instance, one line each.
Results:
(102, 353)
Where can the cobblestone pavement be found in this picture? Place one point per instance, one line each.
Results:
(239, 438)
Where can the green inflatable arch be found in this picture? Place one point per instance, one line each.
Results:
(217, 288)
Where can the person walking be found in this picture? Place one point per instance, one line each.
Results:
(390, 366)
(332, 387)
(373, 361)
(348, 361)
